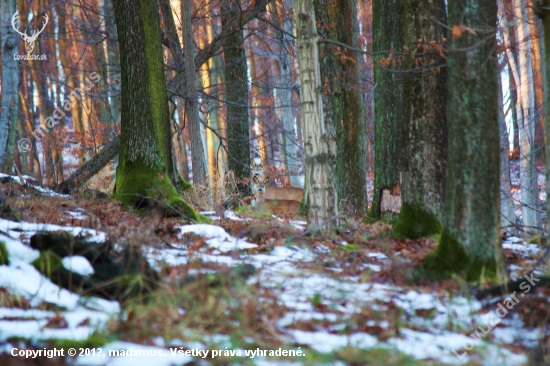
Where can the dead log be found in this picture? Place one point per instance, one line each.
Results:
(118, 275)
(90, 168)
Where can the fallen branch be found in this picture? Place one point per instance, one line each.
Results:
(90, 168)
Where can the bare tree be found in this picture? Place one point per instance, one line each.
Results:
(319, 144)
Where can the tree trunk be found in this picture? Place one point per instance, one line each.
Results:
(10, 83)
(470, 241)
(343, 100)
(544, 12)
(538, 81)
(424, 120)
(388, 101)
(198, 165)
(528, 168)
(286, 42)
(507, 214)
(236, 91)
(145, 163)
(319, 144)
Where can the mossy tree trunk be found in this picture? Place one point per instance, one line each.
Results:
(236, 91)
(424, 119)
(319, 143)
(343, 100)
(143, 173)
(470, 241)
(388, 101)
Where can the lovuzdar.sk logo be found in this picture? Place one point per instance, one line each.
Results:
(29, 39)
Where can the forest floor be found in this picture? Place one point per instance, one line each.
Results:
(300, 300)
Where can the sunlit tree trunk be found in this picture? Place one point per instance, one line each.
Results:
(27, 125)
(319, 144)
(209, 77)
(538, 81)
(507, 214)
(470, 241)
(528, 169)
(256, 121)
(192, 102)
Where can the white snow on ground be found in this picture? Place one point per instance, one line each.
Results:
(218, 237)
(231, 215)
(77, 215)
(78, 264)
(294, 287)
(15, 229)
(44, 191)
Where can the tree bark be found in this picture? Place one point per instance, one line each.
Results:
(470, 241)
(507, 214)
(145, 163)
(543, 11)
(319, 144)
(343, 100)
(10, 84)
(528, 168)
(192, 102)
(424, 120)
(236, 91)
(285, 91)
(388, 101)
(538, 81)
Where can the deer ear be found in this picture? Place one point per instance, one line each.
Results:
(255, 179)
(262, 164)
(252, 163)
(266, 180)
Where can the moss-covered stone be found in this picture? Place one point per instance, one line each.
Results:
(140, 186)
(450, 258)
(416, 222)
(4, 257)
(48, 264)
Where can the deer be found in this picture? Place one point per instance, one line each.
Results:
(257, 167)
(258, 188)
(29, 40)
(253, 194)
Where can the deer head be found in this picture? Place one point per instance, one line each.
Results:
(29, 40)
(258, 190)
(257, 167)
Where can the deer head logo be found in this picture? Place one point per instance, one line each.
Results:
(29, 40)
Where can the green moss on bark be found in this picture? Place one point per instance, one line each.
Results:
(416, 222)
(450, 258)
(183, 185)
(138, 186)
